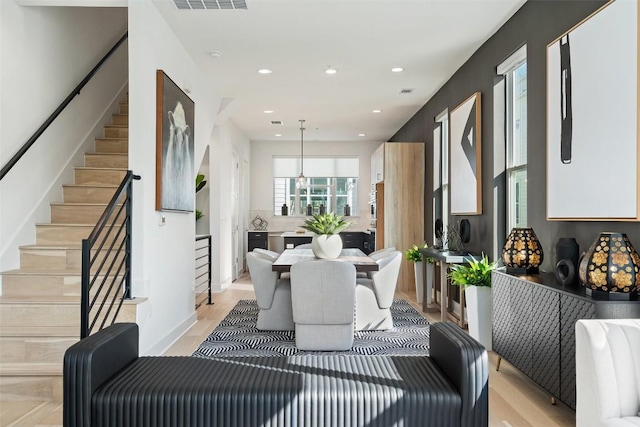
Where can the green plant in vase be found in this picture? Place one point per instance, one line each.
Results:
(200, 183)
(475, 279)
(414, 255)
(326, 242)
(474, 273)
(327, 223)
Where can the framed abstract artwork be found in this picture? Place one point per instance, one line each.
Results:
(466, 157)
(592, 118)
(175, 179)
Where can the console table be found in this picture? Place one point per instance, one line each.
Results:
(444, 258)
(533, 327)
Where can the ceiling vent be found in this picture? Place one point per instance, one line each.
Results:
(211, 4)
(406, 91)
(276, 122)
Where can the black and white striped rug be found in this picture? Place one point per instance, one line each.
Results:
(237, 335)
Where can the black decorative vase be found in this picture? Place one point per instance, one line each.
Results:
(309, 210)
(567, 256)
(285, 210)
(347, 210)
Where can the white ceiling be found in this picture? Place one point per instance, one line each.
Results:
(363, 39)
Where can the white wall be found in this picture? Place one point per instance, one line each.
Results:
(262, 154)
(46, 52)
(227, 137)
(163, 256)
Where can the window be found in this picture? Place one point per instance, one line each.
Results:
(514, 70)
(441, 168)
(330, 182)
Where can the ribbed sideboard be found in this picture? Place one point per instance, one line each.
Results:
(534, 321)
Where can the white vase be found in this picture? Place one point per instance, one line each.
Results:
(326, 245)
(417, 268)
(479, 313)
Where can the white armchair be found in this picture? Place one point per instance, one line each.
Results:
(273, 294)
(608, 373)
(323, 294)
(374, 296)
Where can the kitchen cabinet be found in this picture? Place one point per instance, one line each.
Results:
(352, 239)
(377, 166)
(258, 239)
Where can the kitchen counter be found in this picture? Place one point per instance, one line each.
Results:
(296, 234)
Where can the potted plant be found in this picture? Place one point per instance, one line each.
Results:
(326, 242)
(200, 183)
(414, 255)
(475, 278)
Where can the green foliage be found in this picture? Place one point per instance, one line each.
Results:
(475, 273)
(327, 223)
(200, 182)
(198, 214)
(413, 254)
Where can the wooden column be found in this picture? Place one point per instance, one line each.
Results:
(403, 216)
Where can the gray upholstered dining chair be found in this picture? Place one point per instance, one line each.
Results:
(323, 297)
(273, 294)
(376, 255)
(374, 296)
(271, 254)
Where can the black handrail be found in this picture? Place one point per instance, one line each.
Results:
(76, 91)
(206, 274)
(108, 282)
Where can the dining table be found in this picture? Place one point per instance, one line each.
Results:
(356, 257)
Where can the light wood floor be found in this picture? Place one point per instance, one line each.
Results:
(514, 400)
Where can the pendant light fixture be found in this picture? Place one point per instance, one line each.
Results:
(301, 181)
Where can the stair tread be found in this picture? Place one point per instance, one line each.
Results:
(40, 331)
(91, 185)
(42, 271)
(30, 369)
(103, 153)
(78, 204)
(116, 126)
(99, 168)
(45, 224)
(54, 300)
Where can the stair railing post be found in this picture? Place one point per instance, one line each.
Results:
(84, 292)
(209, 261)
(129, 234)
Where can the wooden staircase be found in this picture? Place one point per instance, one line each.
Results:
(40, 302)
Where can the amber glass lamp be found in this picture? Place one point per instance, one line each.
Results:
(611, 268)
(522, 253)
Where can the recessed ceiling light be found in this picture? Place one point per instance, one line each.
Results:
(268, 111)
(265, 71)
(361, 134)
(377, 111)
(215, 53)
(278, 134)
(330, 70)
(397, 69)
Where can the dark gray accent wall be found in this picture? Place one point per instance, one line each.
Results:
(537, 24)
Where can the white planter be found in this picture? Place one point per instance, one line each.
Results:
(417, 268)
(326, 245)
(430, 278)
(479, 313)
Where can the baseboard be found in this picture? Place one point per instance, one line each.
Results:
(161, 346)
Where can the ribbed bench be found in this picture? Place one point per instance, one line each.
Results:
(107, 384)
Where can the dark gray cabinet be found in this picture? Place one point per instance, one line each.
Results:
(534, 327)
(258, 239)
(352, 240)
